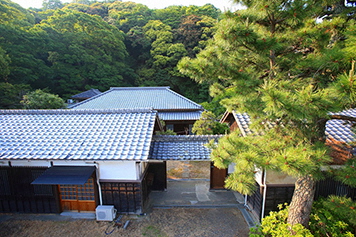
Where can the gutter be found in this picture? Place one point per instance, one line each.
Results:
(97, 172)
(264, 185)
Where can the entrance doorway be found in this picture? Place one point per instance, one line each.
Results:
(78, 197)
(160, 172)
(217, 178)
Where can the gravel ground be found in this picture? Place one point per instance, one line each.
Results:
(176, 222)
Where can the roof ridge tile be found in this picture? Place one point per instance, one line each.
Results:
(141, 88)
(76, 111)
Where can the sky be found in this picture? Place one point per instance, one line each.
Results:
(152, 4)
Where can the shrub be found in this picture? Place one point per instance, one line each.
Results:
(275, 225)
(333, 216)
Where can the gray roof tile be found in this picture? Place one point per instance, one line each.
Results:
(194, 115)
(87, 94)
(340, 130)
(173, 147)
(76, 134)
(159, 98)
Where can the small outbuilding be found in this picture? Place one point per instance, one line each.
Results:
(277, 188)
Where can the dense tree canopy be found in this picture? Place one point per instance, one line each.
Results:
(282, 65)
(70, 47)
(88, 52)
(39, 99)
(208, 124)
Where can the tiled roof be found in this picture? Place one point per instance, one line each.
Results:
(76, 134)
(159, 98)
(194, 115)
(339, 130)
(87, 94)
(173, 147)
(243, 122)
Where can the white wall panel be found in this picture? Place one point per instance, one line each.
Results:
(117, 170)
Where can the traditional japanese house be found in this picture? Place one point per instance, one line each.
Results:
(178, 112)
(60, 160)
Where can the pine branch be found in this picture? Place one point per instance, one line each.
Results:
(343, 117)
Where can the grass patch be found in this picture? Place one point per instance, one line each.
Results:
(152, 231)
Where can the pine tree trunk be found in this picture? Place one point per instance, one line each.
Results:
(302, 201)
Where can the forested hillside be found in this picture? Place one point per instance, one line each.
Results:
(70, 48)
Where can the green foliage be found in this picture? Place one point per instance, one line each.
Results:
(276, 149)
(77, 7)
(208, 125)
(39, 99)
(346, 173)
(13, 14)
(51, 4)
(172, 15)
(346, 85)
(168, 132)
(334, 216)
(76, 46)
(251, 57)
(26, 58)
(11, 95)
(4, 65)
(88, 52)
(127, 15)
(275, 225)
(282, 66)
(219, 94)
(192, 30)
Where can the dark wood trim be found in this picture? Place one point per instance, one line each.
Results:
(119, 181)
(216, 177)
(279, 185)
(23, 196)
(180, 110)
(126, 197)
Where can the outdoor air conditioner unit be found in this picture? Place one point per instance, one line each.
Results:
(105, 213)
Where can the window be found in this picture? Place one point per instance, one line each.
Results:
(78, 192)
(170, 127)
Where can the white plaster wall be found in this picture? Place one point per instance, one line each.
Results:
(143, 167)
(274, 177)
(231, 168)
(117, 170)
(259, 176)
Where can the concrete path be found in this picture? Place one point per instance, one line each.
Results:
(196, 194)
(192, 192)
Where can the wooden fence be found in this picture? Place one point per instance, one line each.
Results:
(17, 194)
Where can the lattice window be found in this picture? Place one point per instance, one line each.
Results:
(86, 191)
(68, 192)
(78, 192)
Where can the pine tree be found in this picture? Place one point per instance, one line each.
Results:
(283, 64)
